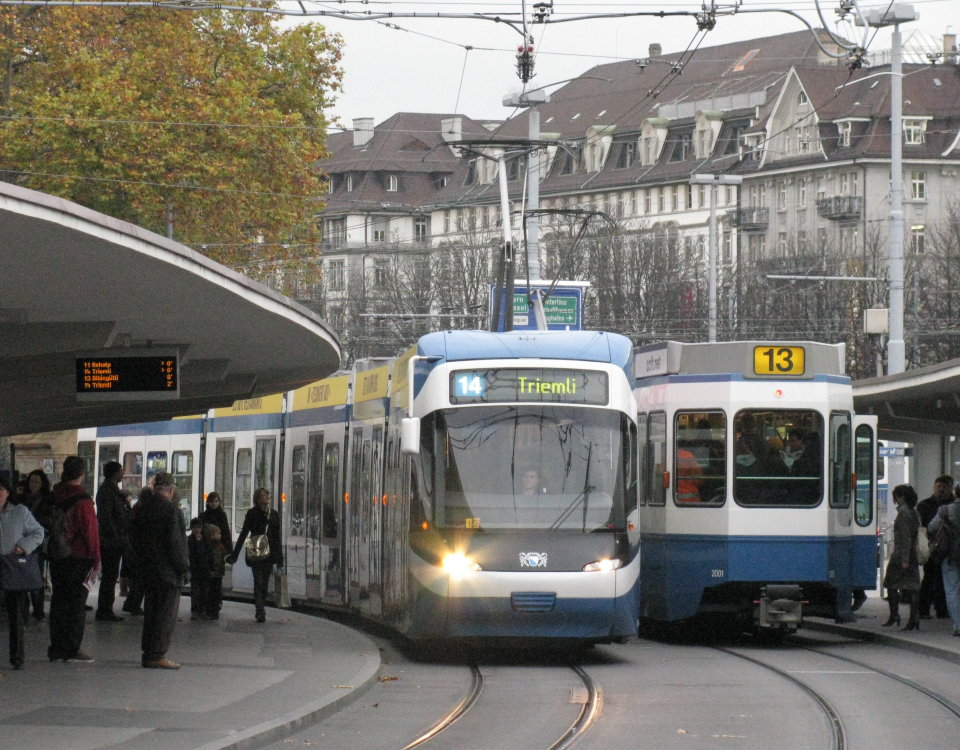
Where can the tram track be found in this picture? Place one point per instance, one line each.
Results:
(838, 735)
(590, 698)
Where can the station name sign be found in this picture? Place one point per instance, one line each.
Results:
(542, 384)
(112, 376)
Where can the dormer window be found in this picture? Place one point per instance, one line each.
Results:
(627, 154)
(349, 183)
(914, 131)
(393, 183)
(843, 131)
(802, 98)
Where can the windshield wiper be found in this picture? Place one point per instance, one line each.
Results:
(583, 495)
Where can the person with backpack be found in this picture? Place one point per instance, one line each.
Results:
(73, 525)
(950, 565)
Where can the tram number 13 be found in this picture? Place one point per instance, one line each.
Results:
(778, 360)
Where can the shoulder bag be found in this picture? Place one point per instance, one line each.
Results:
(257, 546)
(923, 546)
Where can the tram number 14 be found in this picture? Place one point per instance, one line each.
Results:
(778, 360)
(469, 384)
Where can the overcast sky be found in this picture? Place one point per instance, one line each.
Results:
(425, 65)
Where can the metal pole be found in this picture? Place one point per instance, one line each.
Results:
(895, 344)
(533, 196)
(712, 280)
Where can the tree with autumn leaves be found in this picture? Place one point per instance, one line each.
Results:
(207, 126)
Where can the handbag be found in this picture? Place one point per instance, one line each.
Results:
(923, 546)
(20, 572)
(257, 548)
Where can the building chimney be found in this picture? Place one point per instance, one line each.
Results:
(950, 48)
(655, 50)
(451, 129)
(362, 131)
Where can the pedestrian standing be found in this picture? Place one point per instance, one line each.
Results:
(902, 577)
(113, 519)
(261, 520)
(950, 567)
(72, 575)
(20, 534)
(931, 587)
(158, 541)
(37, 496)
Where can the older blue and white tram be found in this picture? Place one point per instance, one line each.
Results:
(751, 505)
(522, 488)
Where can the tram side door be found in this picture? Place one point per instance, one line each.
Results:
(865, 515)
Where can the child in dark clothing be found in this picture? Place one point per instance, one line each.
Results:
(214, 542)
(200, 564)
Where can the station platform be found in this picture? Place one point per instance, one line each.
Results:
(242, 684)
(934, 638)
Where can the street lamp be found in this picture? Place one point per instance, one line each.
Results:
(713, 180)
(894, 15)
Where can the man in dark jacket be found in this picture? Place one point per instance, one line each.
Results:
(931, 587)
(158, 540)
(113, 519)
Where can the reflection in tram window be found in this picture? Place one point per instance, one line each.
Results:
(244, 479)
(578, 454)
(778, 457)
(133, 472)
(181, 466)
(223, 477)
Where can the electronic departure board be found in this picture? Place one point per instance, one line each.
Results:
(110, 376)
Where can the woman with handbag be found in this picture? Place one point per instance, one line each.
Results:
(902, 577)
(260, 540)
(20, 534)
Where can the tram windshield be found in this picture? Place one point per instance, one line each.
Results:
(528, 467)
(778, 457)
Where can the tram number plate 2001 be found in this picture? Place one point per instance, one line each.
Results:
(778, 360)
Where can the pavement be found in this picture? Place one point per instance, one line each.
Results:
(934, 638)
(242, 684)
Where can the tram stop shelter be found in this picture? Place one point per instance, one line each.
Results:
(78, 286)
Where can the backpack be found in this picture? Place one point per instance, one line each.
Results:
(945, 545)
(57, 544)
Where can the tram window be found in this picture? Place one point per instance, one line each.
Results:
(156, 462)
(778, 457)
(181, 466)
(700, 462)
(299, 526)
(223, 476)
(864, 457)
(244, 479)
(86, 450)
(265, 466)
(644, 483)
(108, 452)
(331, 491)
(657, 458)
(841, 462)
(133, 472)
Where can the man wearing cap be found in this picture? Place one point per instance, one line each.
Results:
(158, 538)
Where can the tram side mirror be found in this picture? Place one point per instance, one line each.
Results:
(410, 436)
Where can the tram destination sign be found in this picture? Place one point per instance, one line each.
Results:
(109, 376)
(541, 384)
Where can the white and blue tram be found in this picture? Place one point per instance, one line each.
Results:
(480, 485)
(758, 500)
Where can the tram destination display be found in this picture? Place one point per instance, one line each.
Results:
(548, 385)
(111, 376)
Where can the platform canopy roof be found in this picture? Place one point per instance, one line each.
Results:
(924, 400)
(76, 281)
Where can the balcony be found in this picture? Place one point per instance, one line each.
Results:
(840, 207)
(751, 218)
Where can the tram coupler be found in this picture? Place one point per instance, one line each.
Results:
(780, 607)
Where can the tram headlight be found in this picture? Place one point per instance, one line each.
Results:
(603, 565)
(457, 563)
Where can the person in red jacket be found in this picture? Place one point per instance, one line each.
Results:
(71, 576)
